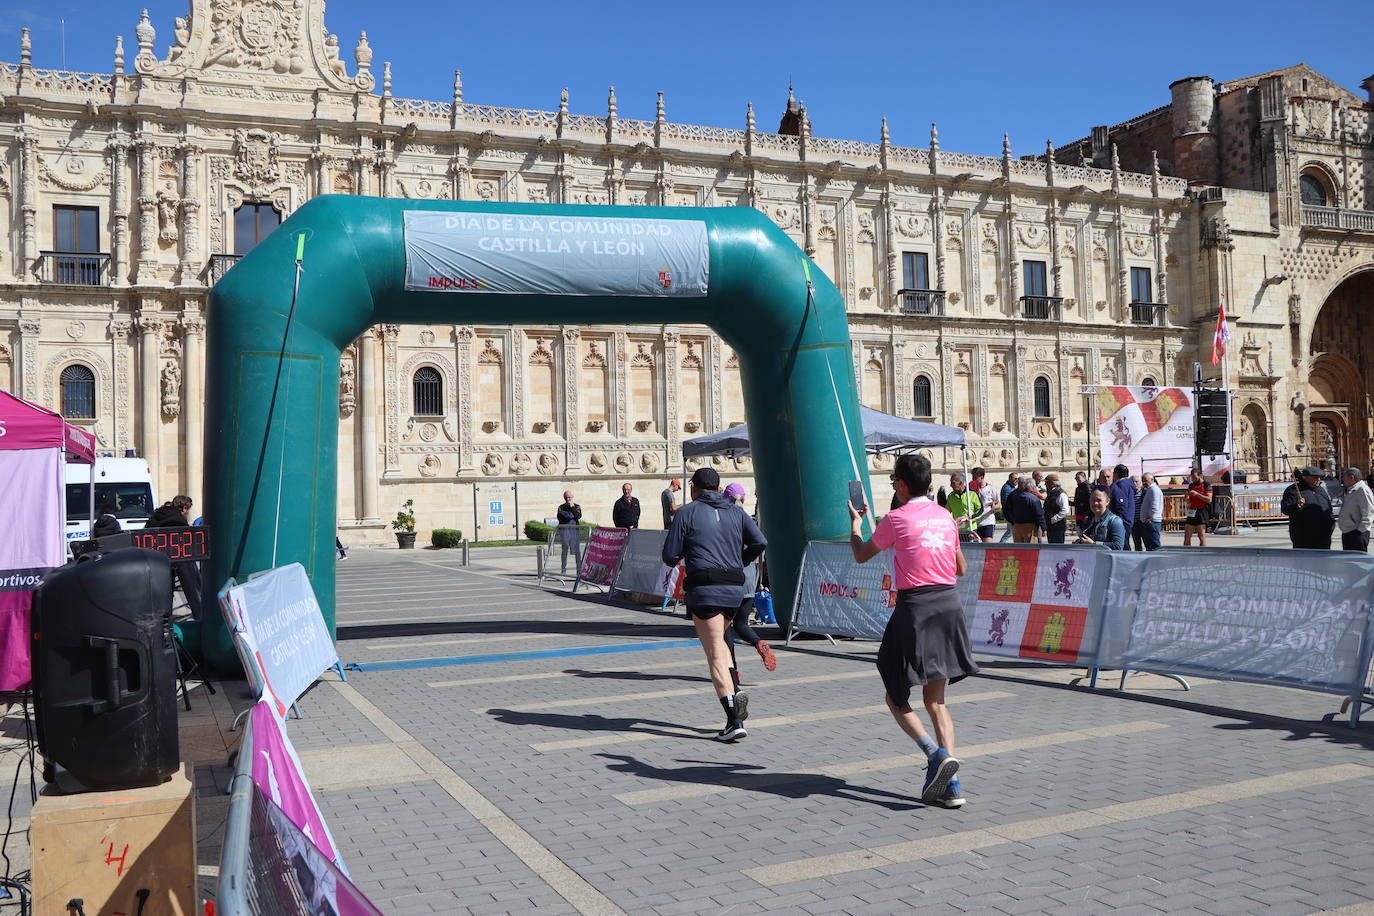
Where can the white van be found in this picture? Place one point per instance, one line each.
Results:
(124, 483)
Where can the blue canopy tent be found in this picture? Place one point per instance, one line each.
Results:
(882, 433)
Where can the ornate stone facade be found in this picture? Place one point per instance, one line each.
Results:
(1017, 272)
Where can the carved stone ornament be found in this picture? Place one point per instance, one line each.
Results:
(255, 158)
(548, 463)
(624, 462)
(648, 462)
(520, 463)
(285, 38)
(430, 465)
(348, 387)
(171, 391)
(76, 329)
(596, 462)
(492, 464)
(429, 432)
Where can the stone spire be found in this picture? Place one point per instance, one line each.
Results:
(934, 138)
(457, 88)
(119, 55)
(26, 46)
(1006, 146)
(790, 125)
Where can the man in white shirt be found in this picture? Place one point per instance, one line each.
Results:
(1357, 512)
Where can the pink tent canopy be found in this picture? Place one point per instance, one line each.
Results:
(27, 425)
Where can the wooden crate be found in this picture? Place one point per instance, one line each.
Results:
(103, 847)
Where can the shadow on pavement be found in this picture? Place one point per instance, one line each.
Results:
(569, 627)
(595, 723)
(755, 778)
(635, 676)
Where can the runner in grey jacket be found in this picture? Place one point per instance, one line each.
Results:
(717, 540)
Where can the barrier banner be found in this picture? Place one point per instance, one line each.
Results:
(277, 771)
(602, 558)
(1028, 601)
(843, 598)
(642, 568)
(1149, 429)
(279, 633)
(1277, 616)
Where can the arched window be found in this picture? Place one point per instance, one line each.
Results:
(1042, 397)
(1313, 190)
(78, 392)
(1148, 382)
(253, 222)
(428, 387)
(922, 404)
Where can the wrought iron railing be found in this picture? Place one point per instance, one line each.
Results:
(219, 266)
(1150, 314)
(1041, 308)
(74, 268)
(922, 302)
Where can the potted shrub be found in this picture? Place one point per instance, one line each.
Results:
(404, 526)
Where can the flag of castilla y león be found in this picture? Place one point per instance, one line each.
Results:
(1148, 429)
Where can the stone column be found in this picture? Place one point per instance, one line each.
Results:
(367, 424)
(28, 200)
(29, 330)
(149, 328)
(147, 211)
(191, 155)
(192, 411)
(119, 207)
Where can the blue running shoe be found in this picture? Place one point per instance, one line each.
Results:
(939, 772)
(954, 795)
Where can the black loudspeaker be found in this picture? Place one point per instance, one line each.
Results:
(104, 672)
(1209, 422)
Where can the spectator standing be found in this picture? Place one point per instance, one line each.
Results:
(964, 505)
(1357, 512)
(625, 512)
(925, 643)
(1151, 517)
(1024, 511)
(569, 515)
(1199, 509)
(1082, 499)
(175, 514)
(1103, 526)
(1123, 495)
(670, 502)
(1038, 479)
(1056, 510)
(716, 539)
(1008, 489)
(1137, 531)
(986, 522)
(1309, 511)
(1104, 482)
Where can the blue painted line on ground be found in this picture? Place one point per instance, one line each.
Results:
(452, 660)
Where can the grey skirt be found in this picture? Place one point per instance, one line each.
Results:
(925, 640)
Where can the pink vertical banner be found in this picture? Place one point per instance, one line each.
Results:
(277, 771)
(31, 516)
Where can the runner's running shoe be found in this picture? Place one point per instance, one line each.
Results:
(770, 661)
(954, 795)
(733, 731)
(741, 706)
(939, 772)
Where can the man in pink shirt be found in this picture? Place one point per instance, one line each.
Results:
(926, 641)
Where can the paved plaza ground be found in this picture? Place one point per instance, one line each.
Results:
(505, 771)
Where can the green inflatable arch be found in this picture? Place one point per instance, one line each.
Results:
(371, 261)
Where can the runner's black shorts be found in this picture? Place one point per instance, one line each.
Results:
(1197, 518)
(707, 611)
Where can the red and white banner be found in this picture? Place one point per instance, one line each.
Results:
(1149, 429)
(601, 561)
(1222, 336)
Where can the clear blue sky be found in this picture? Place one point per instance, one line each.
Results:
(1036, 70)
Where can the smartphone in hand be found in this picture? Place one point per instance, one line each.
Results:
(857, 498)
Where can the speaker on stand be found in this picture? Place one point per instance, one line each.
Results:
(104, 669)
(1211, 421)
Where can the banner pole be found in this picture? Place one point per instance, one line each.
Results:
(285, 345)
(1230, 429)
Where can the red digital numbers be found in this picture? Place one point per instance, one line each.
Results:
(190, 543)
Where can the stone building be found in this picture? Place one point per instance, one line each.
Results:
(1282, 168)
(982, 291)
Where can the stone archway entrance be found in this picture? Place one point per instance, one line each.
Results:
(1340, 386)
